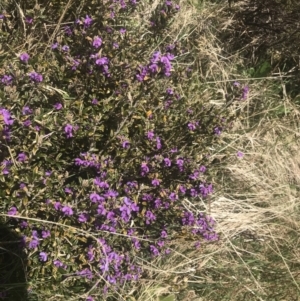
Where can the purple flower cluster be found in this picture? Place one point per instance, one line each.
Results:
(102, 62)
(6, 117)
(6, 166)
(242, 91)
(201, 225)
(111, 265)
(97, 42)
(193, 125)
(88, 160)
(157, 62)
(126, 209)
(24, 57)
(34, 241)
(36, 77)
(12, 211)
(6, 80)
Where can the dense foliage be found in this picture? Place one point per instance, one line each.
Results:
(101, 141)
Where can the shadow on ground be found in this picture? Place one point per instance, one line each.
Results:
(13, 284)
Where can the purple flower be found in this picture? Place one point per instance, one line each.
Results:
(157, 203)
(163, 234)
(6, 117)
(245, 92)
(23, 224)
(154, 250)
(167, 162)
(236, 84)
(36, 77)
(173, 196)
(94, 101)
(188, 219)
(54, 46)
(170, 91)
(135, 207)
(22, 186)
(160, 243)
(43, 256)
(218, 131)
(68, 30)
(155, 57)
(57, 205)
(28, 20)
(21, 157)
(144, 168)
(83, 217)
(193, 192)
(67, 210)
(97, 42)
(59, 264)
(24, 57)
(155, 182)
(110, 216)
(202, 168)
(90, 298)
(68, 190)
(111, 194)
(87, 21)
(142, 73)
(27, 123)
(192, 125)
(147, 197)
(150, 135)
(58, 106)
(26, 111)
(125, 144)
(46, 233)
(122, 31)
(6, 79)
(65, 48)
(86, 273)
(115, 45)
(240, 154)
(35, 234)
(205, 190)
(69, 130)
(33, 243)
(12, 211)
(180, 163)
(94, 197)
(153, 68)
(150, 217)
(102, 61)
(101, 184)
(75, 65)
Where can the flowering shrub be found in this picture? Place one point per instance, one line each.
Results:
(99, 148)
